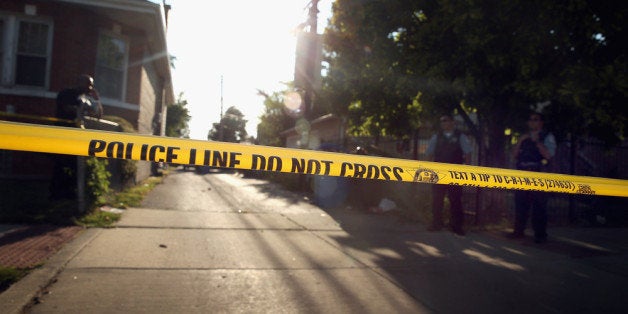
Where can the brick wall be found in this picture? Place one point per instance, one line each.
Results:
(74, 49)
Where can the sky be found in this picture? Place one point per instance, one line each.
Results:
(250, 44)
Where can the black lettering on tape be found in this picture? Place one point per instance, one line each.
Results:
(298, 165)
(258, 159)
(112, 150)
(115, 150)
(259, 162)
(96, 146)
(385, 172)
(372, 172)
(152, 153)
(310, 166)
(344, 167)
(313, 166)
(221, 159)
(192, 159)
(327, 166)
(459, 175)
(233, 159)
(207, 157)
(360, 170)
(274, 164)
(144, 152)
(129, 151)
(170, 154)
(397, 173)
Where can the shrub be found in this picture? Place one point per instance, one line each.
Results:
(97, 181)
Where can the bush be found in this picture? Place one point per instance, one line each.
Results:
(97, 181)
(127, 168)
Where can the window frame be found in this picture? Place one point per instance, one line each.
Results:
(9, 48)
(125, 65)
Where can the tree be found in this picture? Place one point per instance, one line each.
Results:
(274, 120)
(177, 118)
(393, 60)
(231, 128)
(592, 82)
(366, 75)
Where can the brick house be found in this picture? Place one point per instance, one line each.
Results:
(45, 44)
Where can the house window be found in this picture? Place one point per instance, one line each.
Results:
(111, 66)
(24, 51)
(32, 54)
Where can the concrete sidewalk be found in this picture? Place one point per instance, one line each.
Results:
(27, 291)
(219, 243)
(351, 261)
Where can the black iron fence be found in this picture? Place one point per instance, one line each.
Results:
(590, 158)
(586, 158)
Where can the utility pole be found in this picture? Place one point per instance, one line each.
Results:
(221, 132)
(308, 55)
(314, 17)
(311, 66)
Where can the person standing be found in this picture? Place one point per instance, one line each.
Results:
(72, 104)
(449, 145)
(533, 152)
(83, 97)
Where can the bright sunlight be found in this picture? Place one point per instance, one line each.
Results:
(251, 44)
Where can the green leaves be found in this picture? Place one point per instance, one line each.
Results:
(231, 128)
(177, 118)
(499, 58)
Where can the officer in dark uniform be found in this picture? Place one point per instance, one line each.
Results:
(533, 152)
(72, 104)
(82, 97)
(448, 146)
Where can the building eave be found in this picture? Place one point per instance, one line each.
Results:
(150, 17)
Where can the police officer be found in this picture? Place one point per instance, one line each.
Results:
(72, 104)
(448, 146)
(78, 100)
(533, 152)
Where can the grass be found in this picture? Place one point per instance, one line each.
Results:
(57, 212)
(98, 219)
(10, 275)
(27, 202)
(131, 197)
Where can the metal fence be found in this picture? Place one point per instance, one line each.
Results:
(590, 158)
(587, 158)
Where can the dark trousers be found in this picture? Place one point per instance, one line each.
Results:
(454, 193)
(526, 201)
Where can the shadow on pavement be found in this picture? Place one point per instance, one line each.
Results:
(576, 271)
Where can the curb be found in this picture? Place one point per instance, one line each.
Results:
(6, 229)
(22, 293)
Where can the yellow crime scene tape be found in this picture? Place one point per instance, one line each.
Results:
(81, 142)
(35, 118)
